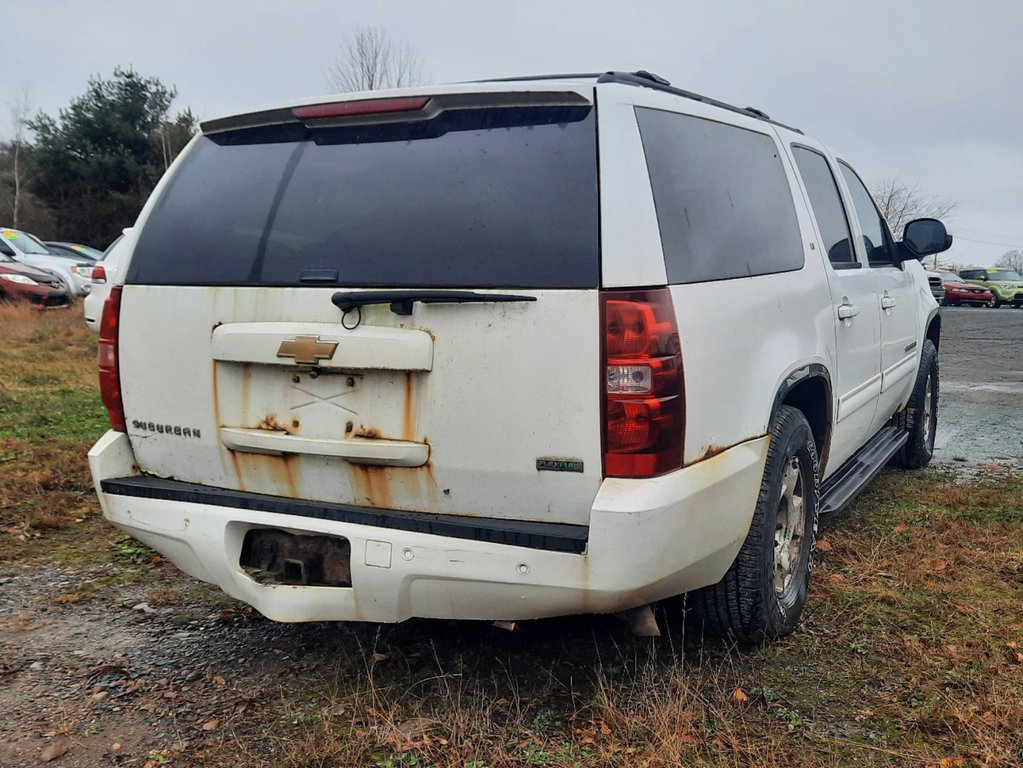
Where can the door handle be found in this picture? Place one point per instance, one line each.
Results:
(847, 311)
(887, 302)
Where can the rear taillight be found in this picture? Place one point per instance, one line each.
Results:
(99, 274)
(109, 375)
(644, 391)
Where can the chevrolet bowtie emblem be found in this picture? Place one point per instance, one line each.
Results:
(308, 350)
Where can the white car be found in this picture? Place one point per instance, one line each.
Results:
(28, 249)
(461, 352)
(103, 275)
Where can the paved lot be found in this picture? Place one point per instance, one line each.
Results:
(980, 415)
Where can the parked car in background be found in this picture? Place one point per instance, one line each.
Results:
(74, 250)
(1006, 285)
(958, 292)
(104, 274)
(83, 256)
(937, 289)
(29, 249)
(21, 282)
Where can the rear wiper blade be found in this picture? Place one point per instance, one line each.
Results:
(401, 301)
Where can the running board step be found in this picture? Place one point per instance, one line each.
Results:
(841, 488)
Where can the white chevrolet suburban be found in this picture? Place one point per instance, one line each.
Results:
(510, 349)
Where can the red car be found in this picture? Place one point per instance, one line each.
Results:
(957, 292)
(20, 282)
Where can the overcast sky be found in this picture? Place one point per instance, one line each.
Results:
(929, 91)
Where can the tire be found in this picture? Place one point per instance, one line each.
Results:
(759, 599)
(920, 416)
(996, 302)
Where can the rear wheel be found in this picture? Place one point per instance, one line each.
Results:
(920, 416)
(762, 595)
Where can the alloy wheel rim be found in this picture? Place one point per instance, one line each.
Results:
(790, 524)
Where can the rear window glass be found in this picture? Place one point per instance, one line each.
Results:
(723, 203)
(472, 198)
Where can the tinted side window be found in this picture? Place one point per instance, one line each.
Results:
(876, 240)
(724, 206)
(826, 204)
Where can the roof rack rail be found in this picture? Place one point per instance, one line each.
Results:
(527, 78)
(646, 79)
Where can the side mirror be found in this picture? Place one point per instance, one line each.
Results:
(922, 237)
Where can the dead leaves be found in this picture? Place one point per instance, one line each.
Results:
(591, 731)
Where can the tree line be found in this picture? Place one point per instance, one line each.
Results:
(84, 174)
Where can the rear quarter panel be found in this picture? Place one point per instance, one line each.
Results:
(740, 337)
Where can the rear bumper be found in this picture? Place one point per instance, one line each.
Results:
(647, 539)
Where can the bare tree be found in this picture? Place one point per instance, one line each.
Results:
(901, 202)
(1011, 260)
(21, 112)
(369, 60)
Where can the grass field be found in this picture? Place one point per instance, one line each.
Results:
(911, 652)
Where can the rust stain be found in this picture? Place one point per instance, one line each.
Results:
(428, 332)
(246, 385)
(237, 468)
(216, 396)
(371, 485)
(271, 474)
(272, 424)
(219, 423)
(367, 433)
(407, 488)
(409, 419)
(289, 474)
(714, 450)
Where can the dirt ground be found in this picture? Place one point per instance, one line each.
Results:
(110, 656)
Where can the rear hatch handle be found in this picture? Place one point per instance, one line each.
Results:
(401, 301)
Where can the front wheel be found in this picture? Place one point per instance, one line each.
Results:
(995, 302)
(761, 597)
(920, 416)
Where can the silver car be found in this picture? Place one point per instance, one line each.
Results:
(28, 249)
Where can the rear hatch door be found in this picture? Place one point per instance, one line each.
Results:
(396, 308)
